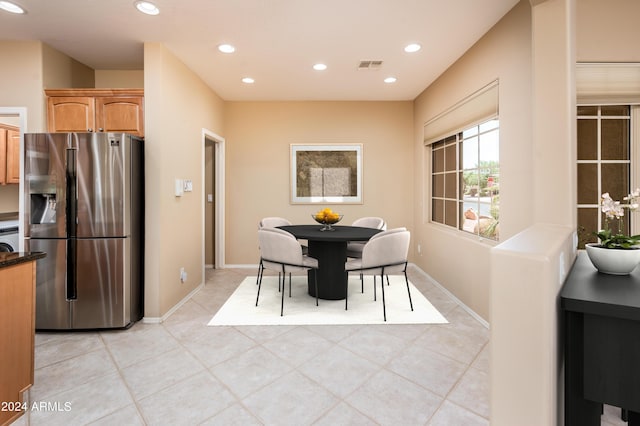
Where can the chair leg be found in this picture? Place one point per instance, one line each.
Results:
(260, 269)
(346, 290)
(384, 307)
(362, 282)
(259, 283)
(375, 297)
(408, 291)
(289, 284)
(315, 279)
(388, 283)
(284, 277)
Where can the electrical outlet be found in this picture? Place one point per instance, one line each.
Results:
(419, 249)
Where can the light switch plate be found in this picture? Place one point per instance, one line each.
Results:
(188, 185)
(179, 187)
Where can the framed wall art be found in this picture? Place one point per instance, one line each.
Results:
(326, 173)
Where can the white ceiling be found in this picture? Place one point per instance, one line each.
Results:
(277, 41)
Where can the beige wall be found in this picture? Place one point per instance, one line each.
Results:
(178, 105)
(119, 79)
(504, 53)
(21, 80)
(258, 137)
(21, 86)
(61, 71)
(607, 31)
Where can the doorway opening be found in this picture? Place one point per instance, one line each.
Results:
(13, 195)
(213, 200)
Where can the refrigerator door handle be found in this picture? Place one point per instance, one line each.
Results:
(72, 196)
(72, 279)
(71, 207)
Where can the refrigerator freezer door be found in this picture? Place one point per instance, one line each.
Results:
(45, 184)
(104, 175)
(52, 308)
(104, 285)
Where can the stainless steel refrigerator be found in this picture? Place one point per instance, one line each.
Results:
(84, 207)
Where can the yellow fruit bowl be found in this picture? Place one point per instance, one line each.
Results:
(327, 219)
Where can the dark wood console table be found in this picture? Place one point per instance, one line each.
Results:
(601, 343)
(330, 248)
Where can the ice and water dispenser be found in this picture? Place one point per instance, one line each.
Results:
(43, 195)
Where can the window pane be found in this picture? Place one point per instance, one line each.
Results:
(470, 153)
(438, 160)
(587, 139)
(437, 189)
(614, 110)
(587, 110)
(615, 139)
(588, 184)
(470, 132)
(615, 180)
(437, 211)
(450, 158)
(450, 188)
(451, 213)
(469, 183)
(489, 148)
(587, 225)
(489, 125)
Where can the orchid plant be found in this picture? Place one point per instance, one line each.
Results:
(614, 210)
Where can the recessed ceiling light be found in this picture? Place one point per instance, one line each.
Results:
(248, 80)
(226, 48)
(319, 67)
(147, 7)
(413, 47)
(11, 7)
(390, 80)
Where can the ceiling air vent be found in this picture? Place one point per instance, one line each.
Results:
(370, 65)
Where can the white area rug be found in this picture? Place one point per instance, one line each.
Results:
(301, 309)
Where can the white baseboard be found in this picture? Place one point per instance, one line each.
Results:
(159, 320)
(454, 298)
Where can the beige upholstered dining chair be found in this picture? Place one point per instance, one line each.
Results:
(354, 248)
(281, 252)
(383, 254)
(269, 222)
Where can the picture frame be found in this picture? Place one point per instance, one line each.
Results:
(326, 173)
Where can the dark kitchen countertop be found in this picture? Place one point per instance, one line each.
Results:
(15, 258)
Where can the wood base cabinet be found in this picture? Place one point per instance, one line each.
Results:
(96, 110)
(9, 154)
(17, 333)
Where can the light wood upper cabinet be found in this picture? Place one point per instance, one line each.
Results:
(9, 154)
(71, 114)
(120, 114)
(13, 156)
(96, 110)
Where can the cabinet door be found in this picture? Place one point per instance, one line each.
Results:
(120, 114)
(13, 156)
(3, 156)
(71, 114)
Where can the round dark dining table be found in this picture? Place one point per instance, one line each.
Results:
(330, 248)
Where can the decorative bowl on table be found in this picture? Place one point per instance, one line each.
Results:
(327, 218)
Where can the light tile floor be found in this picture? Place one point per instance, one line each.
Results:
(182, 372)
